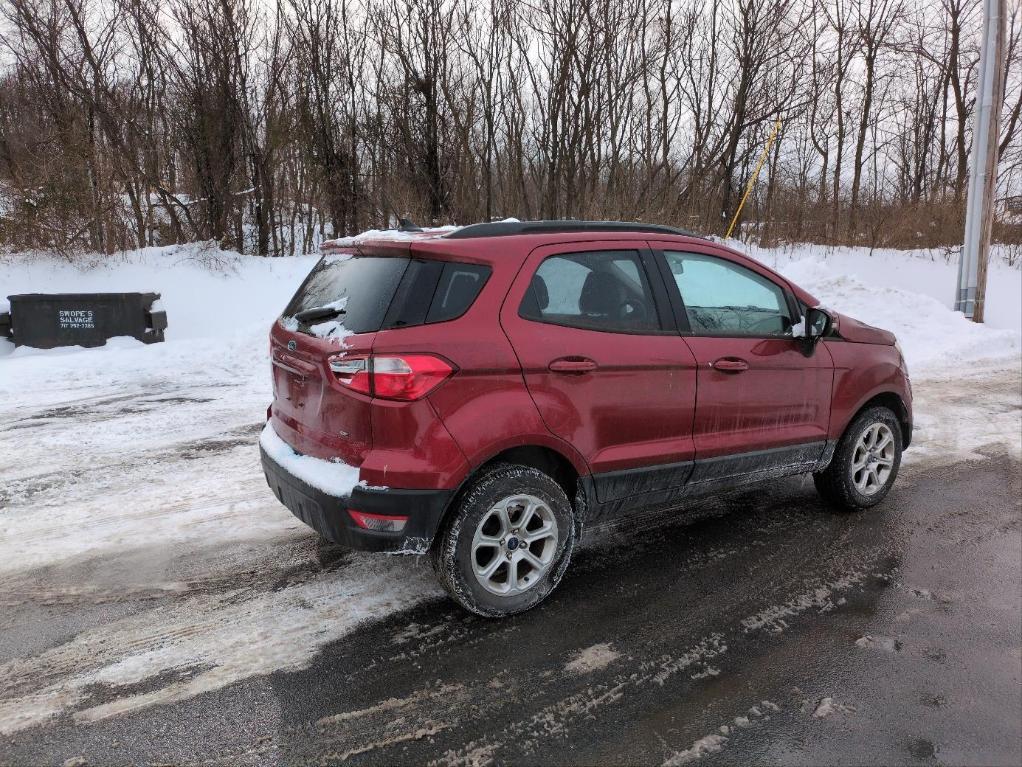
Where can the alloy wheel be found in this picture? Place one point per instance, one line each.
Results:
(514, 545)
(873, 459)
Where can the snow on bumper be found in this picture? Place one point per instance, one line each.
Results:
(332, 477)
(323, 493)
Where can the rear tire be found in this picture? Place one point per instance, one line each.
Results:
(505, 546)
(865, 462)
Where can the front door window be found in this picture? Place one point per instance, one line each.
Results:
(725, 299)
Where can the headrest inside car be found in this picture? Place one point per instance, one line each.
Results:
(601, 295)
(537, 297)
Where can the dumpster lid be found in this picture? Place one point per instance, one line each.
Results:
(84, 296)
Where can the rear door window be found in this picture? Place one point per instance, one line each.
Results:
(595, 290)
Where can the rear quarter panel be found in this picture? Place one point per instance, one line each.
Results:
(861, 372)
(412, 449)
(488, 412)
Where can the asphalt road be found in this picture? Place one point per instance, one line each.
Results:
(756, 628)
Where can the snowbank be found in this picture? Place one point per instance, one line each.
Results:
(219, 306)
(927, 272)
(933, 337)
(206, 292)
(210, 293)
(910, 293)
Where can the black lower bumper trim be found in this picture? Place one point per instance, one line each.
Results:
(328, 514)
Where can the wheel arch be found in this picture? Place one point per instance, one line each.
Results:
(540, 457)
(893, 402)
(556, 464)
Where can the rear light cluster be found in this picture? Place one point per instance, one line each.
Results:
(405, 377)
(381, 523)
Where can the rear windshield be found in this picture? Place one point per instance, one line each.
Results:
(359, 288)
(362, 294)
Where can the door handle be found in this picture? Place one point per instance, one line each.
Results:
(573, 365)
(730, 365)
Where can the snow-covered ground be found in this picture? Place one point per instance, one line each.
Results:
(131, 472)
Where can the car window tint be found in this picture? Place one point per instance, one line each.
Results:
(358, 289)
(599, 290)
(458, 287)
(723, 298)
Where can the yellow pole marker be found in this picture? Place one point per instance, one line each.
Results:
(755, 175)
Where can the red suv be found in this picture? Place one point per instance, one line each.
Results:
(483, 394)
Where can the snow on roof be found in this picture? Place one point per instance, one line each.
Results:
(393, 235)
(387, 235)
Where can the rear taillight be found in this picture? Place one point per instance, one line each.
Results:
(402, 377)
(408, 377)
(382, 523)
(353, 372)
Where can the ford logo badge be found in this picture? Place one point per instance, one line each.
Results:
(291, 345)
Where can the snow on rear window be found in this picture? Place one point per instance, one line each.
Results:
(345, 294)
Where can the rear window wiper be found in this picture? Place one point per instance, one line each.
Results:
(319, 313)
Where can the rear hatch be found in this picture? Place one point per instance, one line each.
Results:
(334, 315)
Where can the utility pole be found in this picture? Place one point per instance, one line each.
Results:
(979, 211)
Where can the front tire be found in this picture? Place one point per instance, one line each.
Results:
(508, 542)
(865, 462)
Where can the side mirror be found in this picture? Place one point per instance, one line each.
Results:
(818, 324)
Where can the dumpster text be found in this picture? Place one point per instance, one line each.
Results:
(76, 319)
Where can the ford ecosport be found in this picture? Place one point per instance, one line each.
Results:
(481, 394)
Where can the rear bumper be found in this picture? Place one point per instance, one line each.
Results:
(328, 514)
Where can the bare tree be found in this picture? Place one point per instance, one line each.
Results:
(270, 126)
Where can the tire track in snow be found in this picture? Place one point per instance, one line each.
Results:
(226, 637)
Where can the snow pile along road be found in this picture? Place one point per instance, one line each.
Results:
(130, 478)
(139, 466)
(934, 339)
(919, 272)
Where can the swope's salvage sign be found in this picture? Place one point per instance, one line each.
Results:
(77, 319)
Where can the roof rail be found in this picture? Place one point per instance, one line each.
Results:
(507, 228)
